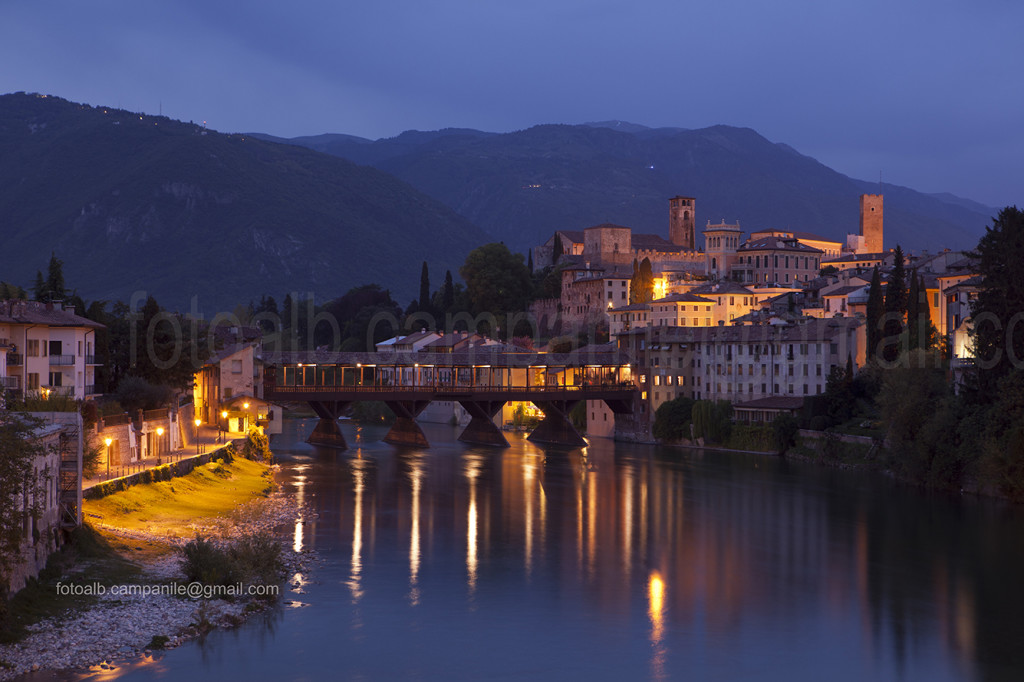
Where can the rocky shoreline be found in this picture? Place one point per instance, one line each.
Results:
(120, 628)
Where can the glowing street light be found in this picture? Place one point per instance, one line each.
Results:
(224, 423)
(108, 441)
(159, 437)
(198, 422)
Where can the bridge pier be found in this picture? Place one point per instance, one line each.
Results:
(481, 428)
(327, 431)
(405, 430)
(556, 429)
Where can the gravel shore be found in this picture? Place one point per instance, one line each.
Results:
(120, 627)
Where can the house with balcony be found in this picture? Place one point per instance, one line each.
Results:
(47, 349)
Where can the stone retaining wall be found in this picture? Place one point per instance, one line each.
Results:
(164, 472)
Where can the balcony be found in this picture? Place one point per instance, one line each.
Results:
(9, 383)
(91, 360)
(91, 389)
(15, 360)
(62, 360)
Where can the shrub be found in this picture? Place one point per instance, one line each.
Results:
(257, 446)
(253, 557)
(672, 419)
(786, 429)
(819, 423)
(207, 563)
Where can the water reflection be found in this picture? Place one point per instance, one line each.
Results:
(358, 467)
(656, 613)
(629, 562)
(471, 470)
(416, 482)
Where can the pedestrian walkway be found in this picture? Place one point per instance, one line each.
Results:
(209, 439)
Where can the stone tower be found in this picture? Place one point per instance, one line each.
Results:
(871, 222)
(681, 221)
(720, 244)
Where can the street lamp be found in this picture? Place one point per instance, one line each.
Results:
(198, 422)
(159, 437)
(108, 441)
(245, 406)
(224, 423)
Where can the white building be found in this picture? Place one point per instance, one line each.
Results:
(47, 349)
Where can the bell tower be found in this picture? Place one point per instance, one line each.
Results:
(871, 222)
(681, 222)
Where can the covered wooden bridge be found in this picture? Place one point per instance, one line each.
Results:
(481, 379)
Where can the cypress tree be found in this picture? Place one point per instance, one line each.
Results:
(448, 292)
(875, 310)
(55, 278)
(923, 327)
(424, 288)
(646, 282)
(529, 260)
(558, 249)
(39, 289)
(913, 312)
(895, 307)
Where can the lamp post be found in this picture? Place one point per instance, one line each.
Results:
(198, 422)
(108, 441)
(224, 422)
(245, 406)
(159, 437)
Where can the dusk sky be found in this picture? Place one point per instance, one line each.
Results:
(928, 92)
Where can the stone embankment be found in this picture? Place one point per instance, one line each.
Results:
(119, 628)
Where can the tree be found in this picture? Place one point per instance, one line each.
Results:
(999, 348)
(55, 279)
(895, 308)
(672, 419)
(21, 493)
(641, 284)
(39, 290)
(447, 293)
(497, 280)
(529, 260)
(558, 250)
(920, 330)
(785, 430)
(913, 308)
(424, 288)
(875, 310)
(10, 292)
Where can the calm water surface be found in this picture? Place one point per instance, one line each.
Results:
(621, 562)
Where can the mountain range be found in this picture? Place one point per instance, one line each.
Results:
(132, 202)
(521, 186)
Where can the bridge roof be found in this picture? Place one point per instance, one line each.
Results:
(471, 357)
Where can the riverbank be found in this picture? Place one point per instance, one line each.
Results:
(119, 592)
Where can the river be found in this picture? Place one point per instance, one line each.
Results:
(621, 562)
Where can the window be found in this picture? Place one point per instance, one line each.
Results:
(33, 377)
(227, 394)
(33, 350)
(56, 379)
(236, 366)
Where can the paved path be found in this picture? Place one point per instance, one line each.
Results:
(209, 439)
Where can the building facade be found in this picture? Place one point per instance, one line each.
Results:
(49, 349)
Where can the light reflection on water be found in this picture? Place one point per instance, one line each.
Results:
(624, 562)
